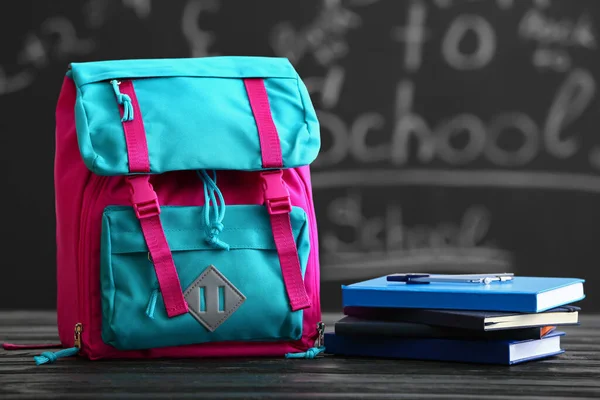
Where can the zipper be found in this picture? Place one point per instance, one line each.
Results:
(77, 335)
(311, 216)
(321, 334)
(95, 186)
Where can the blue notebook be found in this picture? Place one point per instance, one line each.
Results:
(522, 294)
(469, 351)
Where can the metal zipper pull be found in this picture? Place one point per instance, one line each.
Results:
(78, 330)
(321, 332)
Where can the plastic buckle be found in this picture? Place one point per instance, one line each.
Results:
(143, 197)
(276, 194)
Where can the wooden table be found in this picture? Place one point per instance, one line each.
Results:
(575, 374)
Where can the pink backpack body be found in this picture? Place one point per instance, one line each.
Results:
(185, 219)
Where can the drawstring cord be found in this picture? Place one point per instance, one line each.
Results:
(213, 227)
(124, 100)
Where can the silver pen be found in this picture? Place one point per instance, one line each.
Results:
(456, 278)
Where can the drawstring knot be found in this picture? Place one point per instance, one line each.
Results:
(214, 226)
(311, 353)
(213, 232)
(124, 100)
(45, 357)
(49, 357)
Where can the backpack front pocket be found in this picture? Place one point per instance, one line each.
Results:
(233, 295)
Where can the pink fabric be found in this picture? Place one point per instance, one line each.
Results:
(270, 146)
(276, 196)
(11, 346)
(81, 197)
(135, 134)
(147, 210)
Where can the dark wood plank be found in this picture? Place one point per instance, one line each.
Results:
(573, 375)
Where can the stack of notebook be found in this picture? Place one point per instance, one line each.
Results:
(509, 320)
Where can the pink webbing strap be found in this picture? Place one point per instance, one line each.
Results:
(276, 195)
(147, 209)
(135, 135)
(270, 147)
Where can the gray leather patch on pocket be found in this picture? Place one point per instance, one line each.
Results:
(212, 298)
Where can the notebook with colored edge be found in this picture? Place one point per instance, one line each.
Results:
(503, 352)
(469, 319)
(352, 326)
(521, 294)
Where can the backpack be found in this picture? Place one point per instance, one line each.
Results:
(184, 210)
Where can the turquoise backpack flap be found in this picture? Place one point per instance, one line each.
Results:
(196, 113)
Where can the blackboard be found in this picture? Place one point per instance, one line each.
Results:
(458, 135)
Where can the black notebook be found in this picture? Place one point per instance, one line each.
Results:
(467, 319)
(352, 326)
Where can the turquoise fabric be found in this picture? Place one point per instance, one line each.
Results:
(196, 113)
(251, 265)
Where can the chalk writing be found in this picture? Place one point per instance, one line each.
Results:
(374, 150)
(573, 98)
(329, 86)
(94, 13)
(502, 4)
(453, 178)
(142, 8)
(414, 34)
(412, 117)
(199, 40)
(554, 59)
(387, 239)
(67, 42)
(486, 43)
(55, 39)
(539, 27)
(15, 82)
(324, 38)
(505, 4)
(33, 52)
(554, 36)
